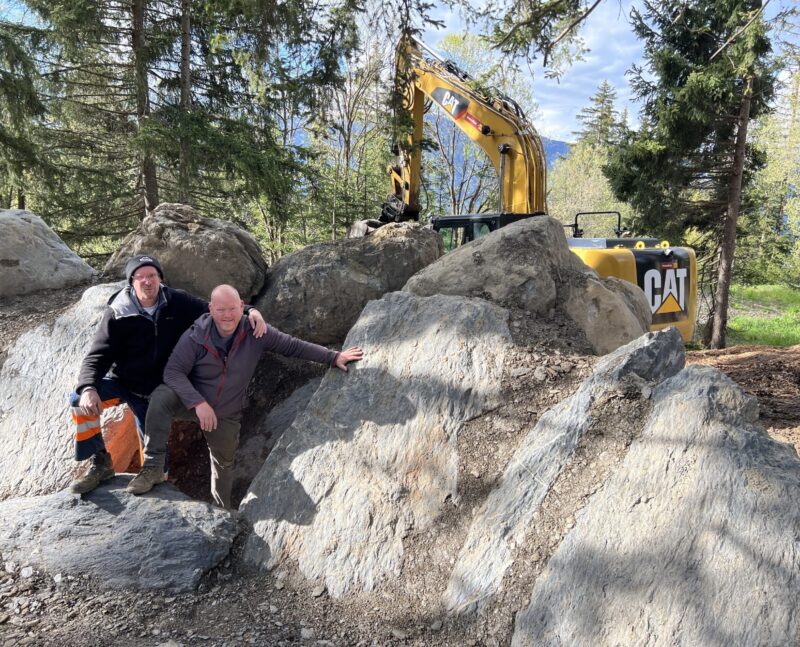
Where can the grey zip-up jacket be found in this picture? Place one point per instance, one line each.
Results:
(197, 372)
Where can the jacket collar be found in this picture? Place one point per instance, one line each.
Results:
(125, 304)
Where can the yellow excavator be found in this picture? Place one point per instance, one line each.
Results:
(496, 123)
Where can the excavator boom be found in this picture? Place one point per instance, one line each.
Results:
(492, 120)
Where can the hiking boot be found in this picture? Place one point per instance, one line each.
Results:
(99, 471)
(144, 481)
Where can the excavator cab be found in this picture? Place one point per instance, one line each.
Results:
(462, 229)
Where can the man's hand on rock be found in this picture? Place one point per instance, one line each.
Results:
(206, 416)
(346, 356)
(90, 403)
(257, 322)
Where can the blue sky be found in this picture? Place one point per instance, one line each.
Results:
(613, 49)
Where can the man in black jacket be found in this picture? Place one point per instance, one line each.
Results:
(140, 327)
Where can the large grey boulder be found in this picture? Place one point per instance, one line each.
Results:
(33, 257)
(528, 265)
(692, 541)
(36, 431)
(505, 518)
(374, 454)
(196, 253)
(162, 540)
(610, 312)
(318, 292)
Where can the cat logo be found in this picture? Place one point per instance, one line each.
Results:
(665, 289)
(454, 103)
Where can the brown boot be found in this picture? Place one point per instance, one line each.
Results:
(100, 470)
(144, 481)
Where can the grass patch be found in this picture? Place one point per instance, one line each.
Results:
(771, 331)
(767, 296)
(764, 314)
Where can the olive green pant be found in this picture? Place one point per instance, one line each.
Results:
(165, 405)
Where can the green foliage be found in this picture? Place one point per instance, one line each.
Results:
(774, 298)
(774, 331)
(576, 183)
(765, 314)
(254, 67)
(769, 237)
(539, 28)
(675, 170)
(601, 123)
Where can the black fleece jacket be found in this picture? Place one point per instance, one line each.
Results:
(134, 347)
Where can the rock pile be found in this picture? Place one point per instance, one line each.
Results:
(481, 477)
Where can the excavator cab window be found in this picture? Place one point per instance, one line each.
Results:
(479, 230)
(454, 235)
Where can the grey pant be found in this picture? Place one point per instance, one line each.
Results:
(222, 442)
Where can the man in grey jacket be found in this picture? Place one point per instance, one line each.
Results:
(206, 380)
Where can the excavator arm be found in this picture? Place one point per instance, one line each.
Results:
(492, 120)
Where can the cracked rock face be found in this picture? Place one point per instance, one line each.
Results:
(374, 453)
(33, 257)
(505, 518)
(162, 540)
(693, 540)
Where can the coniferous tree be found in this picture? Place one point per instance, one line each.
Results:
(20, 111)
(709, 73)
(601, 122)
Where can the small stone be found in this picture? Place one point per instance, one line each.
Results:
(540, 374)
(11, 567)
(4, 618)
(318, 591)
(306, 633)
(26, 572)
(519, 372)
(57, 578)
(273, 608)
(436, 625)
(399, 634)
(279, 585)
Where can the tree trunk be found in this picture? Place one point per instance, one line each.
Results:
(20, 199)
(184, 188)
(143, 102)
(728, 243)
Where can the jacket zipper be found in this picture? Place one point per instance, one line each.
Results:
(210, 348)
